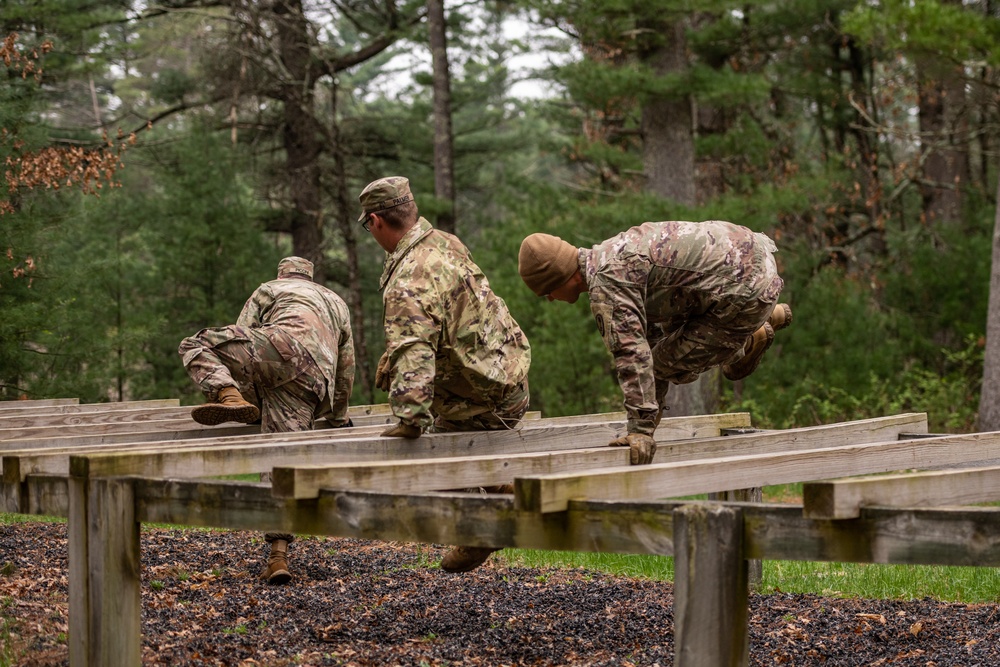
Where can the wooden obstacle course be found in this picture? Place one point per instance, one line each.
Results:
(353, 483)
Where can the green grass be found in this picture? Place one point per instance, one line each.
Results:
(893, 582)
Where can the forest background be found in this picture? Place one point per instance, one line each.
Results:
(161, 158)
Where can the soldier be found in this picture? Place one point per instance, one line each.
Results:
(671, 300)
(455, 359)
(287, 361)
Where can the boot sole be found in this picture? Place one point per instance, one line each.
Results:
(280, 577)
(211, 414)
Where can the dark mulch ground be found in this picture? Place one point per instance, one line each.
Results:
(373, 603)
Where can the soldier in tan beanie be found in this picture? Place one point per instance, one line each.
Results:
(671, 300)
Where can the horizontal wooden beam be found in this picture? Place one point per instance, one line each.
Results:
(11, 408)
(774, 532)
(38, 403)
(258, 457)
(436, 474)
(117, 416)
(877, 429)
(315, 447)
(844, 498)
(551, 493)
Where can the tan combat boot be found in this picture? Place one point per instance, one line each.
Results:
(276, 571)
(753, 351)
(780, 317)
(465, 559)
(230, 407)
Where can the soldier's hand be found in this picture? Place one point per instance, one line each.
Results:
(641, 447)
(382, 372)
(346, 424)
(402, 430)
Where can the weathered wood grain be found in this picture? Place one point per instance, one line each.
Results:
(38, 403)
(438, 473)
(315, 449)
(11, 408)
(876, 429)
(550, 493)
(711, 591)
(771, 532)
(843, 498)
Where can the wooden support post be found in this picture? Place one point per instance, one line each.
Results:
(79, 588)
(755, 567)
(105, 604)
(711, 595)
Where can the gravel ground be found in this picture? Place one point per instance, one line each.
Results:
(367, 604)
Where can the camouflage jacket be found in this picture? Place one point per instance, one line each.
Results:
(317, 319)
(452, 344)
(660, 274)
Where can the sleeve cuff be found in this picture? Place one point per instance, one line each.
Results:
(644, 426)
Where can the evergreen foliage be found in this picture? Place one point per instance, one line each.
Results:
(804, 130)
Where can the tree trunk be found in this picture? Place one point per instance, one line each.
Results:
(669, 166)
(300, 135)
(667, 122)
(989, 396)
(444, 172)
(347, 221)
(941, 105)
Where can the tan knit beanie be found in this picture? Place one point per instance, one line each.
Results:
(546, 262)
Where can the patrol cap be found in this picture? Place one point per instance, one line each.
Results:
(295, 266)
(546, 262)
(384, 193)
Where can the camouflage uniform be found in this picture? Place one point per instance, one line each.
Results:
(291, 353)
(674, 299)
(459, 360)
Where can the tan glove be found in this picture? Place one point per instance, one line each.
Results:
(641, 447)
(382, 372)
(402, 430)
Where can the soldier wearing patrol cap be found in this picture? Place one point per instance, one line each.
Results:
(671, 300)
(455, 359)
(287, 361)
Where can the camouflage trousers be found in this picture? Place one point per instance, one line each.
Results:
(269, 368)
(506, 416)
(700, 343)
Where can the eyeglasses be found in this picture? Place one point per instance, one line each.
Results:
(367, 223)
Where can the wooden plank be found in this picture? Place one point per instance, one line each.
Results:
(877, 429)
(207, 461)
(38, 403)
(8, 434)
(120, 416)
(50, 458)
(83, 408)
(550, 493)
(249, 458)
(189, 430)
(967, 537)
(437, 474)
(711, 592)
(843, 499)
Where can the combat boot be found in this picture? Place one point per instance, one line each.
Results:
(780, 317)
(465, 559)
(230, 407)
(753, 351)
(276, 571)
